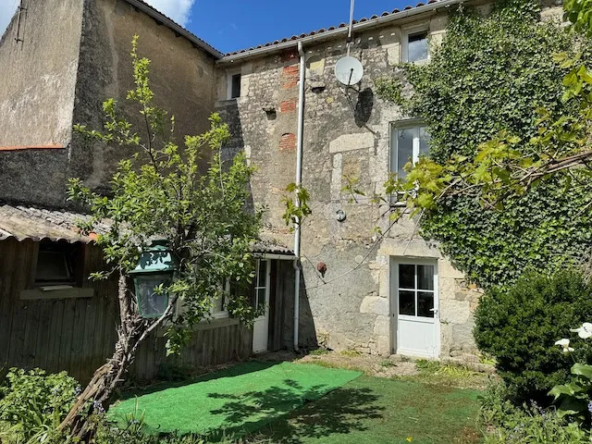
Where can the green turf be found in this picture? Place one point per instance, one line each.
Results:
(234, 401)
(380, 411)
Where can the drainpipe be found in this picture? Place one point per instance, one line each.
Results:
(300, 143)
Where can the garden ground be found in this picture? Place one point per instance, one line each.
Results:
(316, 400)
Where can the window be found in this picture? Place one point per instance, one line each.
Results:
(259, 297)
(234, 85)
(416, 290)
(416, 48)
(58, 264)
(219, 309)
(407, 144)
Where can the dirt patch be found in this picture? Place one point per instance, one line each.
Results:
(445, 374)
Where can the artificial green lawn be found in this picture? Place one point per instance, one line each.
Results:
(290, 403)
(234, 401)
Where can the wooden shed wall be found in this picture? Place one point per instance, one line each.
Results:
(78, 335)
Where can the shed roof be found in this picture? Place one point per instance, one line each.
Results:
(21, 222)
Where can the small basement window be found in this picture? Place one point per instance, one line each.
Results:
(417, 47)
(59, 263)
(234, 85)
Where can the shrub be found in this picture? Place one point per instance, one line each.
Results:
(520, 325)
(32, 404)
(506, 423)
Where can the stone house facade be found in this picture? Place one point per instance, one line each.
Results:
(378, 294)
(349, 134)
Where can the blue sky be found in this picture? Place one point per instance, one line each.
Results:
(230, 25)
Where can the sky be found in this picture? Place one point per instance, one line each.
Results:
(229, 25)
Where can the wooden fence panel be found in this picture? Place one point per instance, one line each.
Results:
(78, 335)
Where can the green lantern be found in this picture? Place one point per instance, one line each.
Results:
(156, 267)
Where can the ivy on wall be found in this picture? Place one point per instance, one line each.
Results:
(490, 75)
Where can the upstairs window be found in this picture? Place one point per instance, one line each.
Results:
(234, 85)
(417, 47)
(407, 144)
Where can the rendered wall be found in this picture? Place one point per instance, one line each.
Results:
(37, 84)
(181, 76)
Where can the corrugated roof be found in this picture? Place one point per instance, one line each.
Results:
(271, 247)
(20, 223)
(332, 28)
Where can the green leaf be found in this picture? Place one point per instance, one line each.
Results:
(582, 370)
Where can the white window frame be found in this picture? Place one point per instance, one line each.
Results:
(222, 314)
(408, 32)
(229, 75)
(394, 154)
(415, 263)
(265, 285)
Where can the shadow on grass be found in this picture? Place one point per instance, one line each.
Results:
(340, 412)
(235, 370)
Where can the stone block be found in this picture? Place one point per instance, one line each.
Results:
(382, 326)
(375, 305)
(383, 345)
(351, 142)
(462, 337)
(446, 269)
(455, 312)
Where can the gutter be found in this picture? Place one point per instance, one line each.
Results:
(138, 4)
(299, 150)
(358, 27)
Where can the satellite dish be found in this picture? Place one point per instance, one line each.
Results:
(349, 71)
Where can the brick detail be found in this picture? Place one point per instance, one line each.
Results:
(288, 142)
(290, 76)
(288, 55)
(288, 106)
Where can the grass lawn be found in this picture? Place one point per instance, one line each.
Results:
(379, 411)
(304, 403)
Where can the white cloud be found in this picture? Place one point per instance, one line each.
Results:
(7, 9)
(178, 10)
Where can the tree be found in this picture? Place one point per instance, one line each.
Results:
(159, 193)
(506, 133)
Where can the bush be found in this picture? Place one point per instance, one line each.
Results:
(520, 325)
(33, 404)
(506, 423)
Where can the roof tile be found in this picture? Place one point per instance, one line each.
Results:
(332, 28)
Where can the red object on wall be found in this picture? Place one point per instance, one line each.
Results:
(322, 268)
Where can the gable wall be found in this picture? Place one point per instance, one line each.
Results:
(38, 77)
(181, 76)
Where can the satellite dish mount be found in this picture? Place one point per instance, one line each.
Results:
(348, 70)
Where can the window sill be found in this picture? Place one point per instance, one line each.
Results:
(215, 323)
(58, 292)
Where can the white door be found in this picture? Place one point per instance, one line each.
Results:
(261, 299)
(416, 307)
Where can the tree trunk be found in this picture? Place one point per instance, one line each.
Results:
(131, 333)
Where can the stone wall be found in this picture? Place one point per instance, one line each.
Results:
(181, 76)
(74, 55)
(347, 135)
(39, 60)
